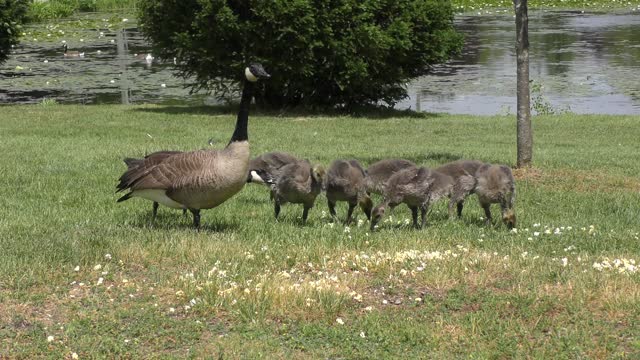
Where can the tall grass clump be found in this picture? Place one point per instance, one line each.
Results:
(56, 9)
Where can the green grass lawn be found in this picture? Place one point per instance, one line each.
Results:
(98, 279)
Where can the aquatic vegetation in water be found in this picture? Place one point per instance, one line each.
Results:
(489, 6)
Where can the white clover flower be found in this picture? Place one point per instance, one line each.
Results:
(76, 269)
(50, 338)
(368, 308)
(347, 229)
(340, 321)
(536, 225)
(362, 335)
(565, 261)
(74, 356)
(418, 299)
(100, 281)
(514, 231)
(97, 267)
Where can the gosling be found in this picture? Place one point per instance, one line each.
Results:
(495, 185)
(379, 172)
(345, 182)
(416, 187)
(264, 168)
(298, 183)
(463, 173)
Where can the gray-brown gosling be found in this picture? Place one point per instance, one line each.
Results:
(379, 172)
(201, 179)
(463, 173)
(345, 182)
(264, 169)
(148, 161)
(298, 183)
(495, 185)
(416, 187)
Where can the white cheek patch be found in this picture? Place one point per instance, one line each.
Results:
(256, 178)
(249, 75)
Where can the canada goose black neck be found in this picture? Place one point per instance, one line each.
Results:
(240, 133)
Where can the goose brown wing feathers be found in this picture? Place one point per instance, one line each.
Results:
(167, 170)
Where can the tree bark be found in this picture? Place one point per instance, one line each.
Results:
(525, 133)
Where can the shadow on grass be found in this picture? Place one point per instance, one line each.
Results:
(175, 220)
(232, 110)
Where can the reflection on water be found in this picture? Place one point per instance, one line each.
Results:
(588, 63)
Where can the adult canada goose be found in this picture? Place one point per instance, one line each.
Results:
(148, 161)
(201, 179)
(68, 53)
(463, 173)
(495, 184)
(379, 172)
(416, 187)
(264, 168)
(345, 182)
(298, 183)
(148, 58)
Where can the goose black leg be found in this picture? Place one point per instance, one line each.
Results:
(460, 205)
(305, 214)
(487, 213)
(196, 218)
(277, 207)
(155, 211)
(414, 216)
(184, 212)
(350, 212)
(332, 209)
(423, 215)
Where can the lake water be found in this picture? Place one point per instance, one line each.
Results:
(583, 63)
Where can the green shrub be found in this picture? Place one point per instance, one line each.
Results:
(11, 16)
(321, 52)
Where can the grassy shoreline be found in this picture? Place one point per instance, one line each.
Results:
(98, 279)
(55, 9)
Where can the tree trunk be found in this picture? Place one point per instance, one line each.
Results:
(525, 134)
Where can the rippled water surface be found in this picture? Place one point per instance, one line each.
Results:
(585, 63)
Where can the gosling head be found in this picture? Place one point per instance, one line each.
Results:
(509, 218)
(318, 172)
(254, 72)
(376, 215)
